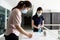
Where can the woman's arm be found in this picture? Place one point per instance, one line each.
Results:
(21, 30)
(42, 23)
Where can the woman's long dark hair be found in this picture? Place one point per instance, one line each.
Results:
(20, 4)
(38, 9)
(23, 3)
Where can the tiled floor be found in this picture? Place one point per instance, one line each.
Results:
(50, 35)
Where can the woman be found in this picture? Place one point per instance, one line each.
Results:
(14, 22)
(38, 20)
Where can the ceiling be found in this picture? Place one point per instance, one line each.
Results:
(12, 3)
(53, 5)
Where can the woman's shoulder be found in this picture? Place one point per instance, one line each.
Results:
(15, 10)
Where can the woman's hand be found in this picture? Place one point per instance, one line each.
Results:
(29, 35)
(40, 26)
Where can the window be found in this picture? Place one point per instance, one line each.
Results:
(4, 13)
(2, 20)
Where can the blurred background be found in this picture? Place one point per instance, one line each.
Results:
(51, 13)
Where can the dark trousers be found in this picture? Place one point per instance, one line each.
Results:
(12, 36)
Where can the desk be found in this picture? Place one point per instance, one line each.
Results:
(50, 35)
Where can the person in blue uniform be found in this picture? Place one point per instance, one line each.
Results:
(38, 20)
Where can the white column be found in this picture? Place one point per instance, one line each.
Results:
(5, 18)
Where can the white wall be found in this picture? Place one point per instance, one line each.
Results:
(53, 5)
(4, 4)
(12, 3)
(8, 4)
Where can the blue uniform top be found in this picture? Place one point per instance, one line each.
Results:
(37, 20)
